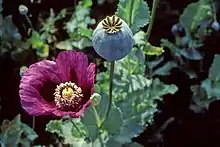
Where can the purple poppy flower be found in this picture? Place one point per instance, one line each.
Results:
(61, 88)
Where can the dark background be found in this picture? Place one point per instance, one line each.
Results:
(189, 129)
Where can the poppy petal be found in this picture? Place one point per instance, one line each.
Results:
(31, 83)
(72, 66)
(90, 77)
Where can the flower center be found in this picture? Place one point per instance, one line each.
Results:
(67, 93)
(112, 24)
(68, 96)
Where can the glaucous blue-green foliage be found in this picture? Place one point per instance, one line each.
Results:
(209, 90)
(15, 133)
(134, 90)
(196, 20)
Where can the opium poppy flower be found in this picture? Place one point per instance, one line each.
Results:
(112, 39)
(63, 87)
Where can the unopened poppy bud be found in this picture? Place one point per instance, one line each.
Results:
(23, 69)
(23, 10)
(95, 99)
(112, 39)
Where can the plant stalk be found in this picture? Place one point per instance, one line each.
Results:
(33, 122)
(29, 22)
(130, 13)
(110, 92)
(153, 13)
(74, 124)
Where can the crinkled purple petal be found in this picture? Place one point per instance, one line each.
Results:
(90, 78)
(61, 113)
(31, 83)
(72, 66)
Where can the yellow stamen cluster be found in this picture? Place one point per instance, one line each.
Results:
(67, 95)
(112, 24)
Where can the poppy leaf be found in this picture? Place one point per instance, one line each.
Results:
(15, 132)
(134, 94)
(139, 11)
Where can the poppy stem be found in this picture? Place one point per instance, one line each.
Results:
(131, 14)
(110, 92)
(29, 22)
(77, 128)
(153, 13)
(33, 122)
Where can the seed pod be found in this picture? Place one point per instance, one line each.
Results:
(215, 26)
(112, 39)
(177, 30)
(23, 10)
(23, 69)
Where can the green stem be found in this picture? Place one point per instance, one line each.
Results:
(214, 10)
(130, 13)
(96, 116)
(153, 13)
(29, 22)
(74, 124)
(110, 92)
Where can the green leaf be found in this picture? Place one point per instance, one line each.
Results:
(194, 14)
(8, 30)
(141, 42)
(43, 51)
(134, 12)
(154, 63)
(72, 131)
(191, 54)
(77, 28)
(85, 3)
(209, 90)
(200, 97)
(64, 45)
(82, 43)
(187, 17)
(214, 71)
(91, 120)
(165, 69)
(29, 132)
(15, 132)
(54, 126)
(85, 32)
(35, 40)
(117, 141)
(113, 122)
(133, 94)
(152, 50)
(139, 38)
(212, 88)
(175, 51)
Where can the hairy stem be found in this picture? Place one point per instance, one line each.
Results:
(110, 92)
(153, 13)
